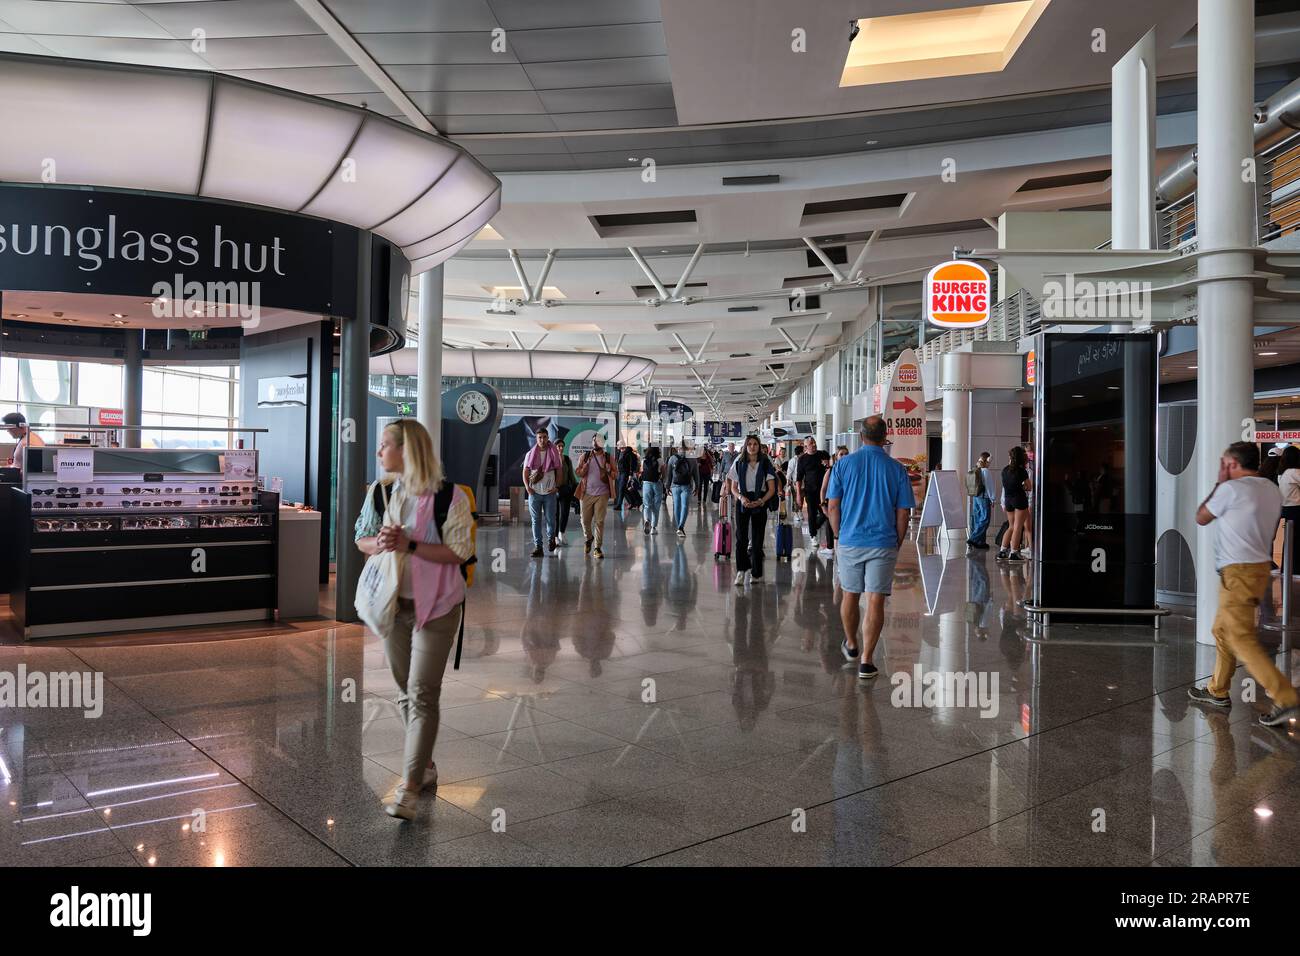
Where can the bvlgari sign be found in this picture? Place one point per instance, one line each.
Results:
(109, 243)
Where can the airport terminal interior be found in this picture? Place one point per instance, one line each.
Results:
(976, 317)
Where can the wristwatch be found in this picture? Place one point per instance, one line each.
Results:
(412, 545)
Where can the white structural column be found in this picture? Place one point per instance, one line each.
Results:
(1133, 146)
(1225, 210)
(819, 404)
(1133, 216)
(955, 384)
(428, 383)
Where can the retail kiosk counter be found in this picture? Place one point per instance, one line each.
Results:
(149, 538)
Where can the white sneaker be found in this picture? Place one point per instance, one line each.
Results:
(403, 804)
(740, 579)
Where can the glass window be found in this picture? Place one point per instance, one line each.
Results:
(153, 389)
(151, 439)
(214, 397)
(8, 379)
(180, 393)
(99, 385)
(40, 380)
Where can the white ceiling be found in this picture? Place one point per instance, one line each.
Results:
(750, 43)
(587, 89)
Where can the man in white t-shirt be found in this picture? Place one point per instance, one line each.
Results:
(1245, 509)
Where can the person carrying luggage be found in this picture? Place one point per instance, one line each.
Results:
(754, 479)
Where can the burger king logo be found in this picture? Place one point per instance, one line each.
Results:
(957, 295)
(908, 374)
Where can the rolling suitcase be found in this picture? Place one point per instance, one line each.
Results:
(632, 493)
(722, 539)
(717, 491)
(784, 541)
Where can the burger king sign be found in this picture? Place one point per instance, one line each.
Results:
(957, 295)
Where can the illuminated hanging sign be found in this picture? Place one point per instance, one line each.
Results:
(958, 295)
(675, 412)
(1031, 368)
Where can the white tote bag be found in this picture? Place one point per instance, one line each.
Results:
(376, 600)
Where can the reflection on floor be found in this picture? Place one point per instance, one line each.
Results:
(643, 710)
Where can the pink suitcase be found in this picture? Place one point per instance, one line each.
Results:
(722, 539)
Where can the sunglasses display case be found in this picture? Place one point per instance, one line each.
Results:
(150, 538)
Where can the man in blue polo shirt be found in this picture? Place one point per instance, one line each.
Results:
(870, 503)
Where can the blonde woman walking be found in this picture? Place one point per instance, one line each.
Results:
(427, 523)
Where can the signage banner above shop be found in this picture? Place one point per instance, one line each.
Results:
(1287, 435)
(109, 243)
(282, 390)
(112, 417)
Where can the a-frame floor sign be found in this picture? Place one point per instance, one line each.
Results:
(945, 504)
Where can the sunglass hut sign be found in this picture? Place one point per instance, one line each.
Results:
(957, 295)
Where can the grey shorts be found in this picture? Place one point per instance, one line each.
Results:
(869, 570)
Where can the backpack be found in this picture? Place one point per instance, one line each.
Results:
(974, 483)
(650, 470)
(441, 507)
(682, 470)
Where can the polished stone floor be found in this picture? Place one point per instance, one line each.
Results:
(643, 710)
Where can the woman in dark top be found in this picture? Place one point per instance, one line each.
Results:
(1015, 499)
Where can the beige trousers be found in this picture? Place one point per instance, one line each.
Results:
(593, 517)
(417, 658)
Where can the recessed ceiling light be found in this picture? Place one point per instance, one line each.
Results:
(18, 315)
(119, 315)
(1076, 396)
(939, 43)
(519, 292)
(1113, 388)
(872, 142)
(1263, 812)
(1267, 353)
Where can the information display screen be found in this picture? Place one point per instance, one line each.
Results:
(1094, 481)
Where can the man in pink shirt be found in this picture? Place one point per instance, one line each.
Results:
(542, 468)
(595, 472)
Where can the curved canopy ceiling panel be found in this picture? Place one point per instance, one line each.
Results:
(270, 149)
(422, 263)
(454, 235)
(518, 363)
(500, 364)
(393, 166)
(450, 198)
(145, 129)
(231, 139)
